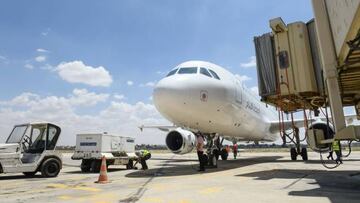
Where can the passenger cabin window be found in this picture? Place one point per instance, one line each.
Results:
(171, 72)
(214, 74)
(205, 72)
(192, 70)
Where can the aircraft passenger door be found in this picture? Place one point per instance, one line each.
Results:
(238, 92)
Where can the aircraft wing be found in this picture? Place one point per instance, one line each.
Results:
(165, 128)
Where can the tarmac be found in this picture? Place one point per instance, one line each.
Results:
(253, 177)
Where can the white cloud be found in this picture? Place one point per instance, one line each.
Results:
(47, 67)
(250, 64)
(119, 96)
(42, 50)
(243, 78)
(40, 58)
(129, 82)
(29, 66)
(78, 72)
(148, 84)
(119, 118)
(2, 57)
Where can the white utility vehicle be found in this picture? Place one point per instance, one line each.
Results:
(30, 148)
(90, 148)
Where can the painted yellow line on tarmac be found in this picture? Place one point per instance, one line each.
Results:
(63, 186)
(210, 190)
(153, 200)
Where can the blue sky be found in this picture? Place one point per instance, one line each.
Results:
(133, 40)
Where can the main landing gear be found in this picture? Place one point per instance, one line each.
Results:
(297, 150)
(215, 150)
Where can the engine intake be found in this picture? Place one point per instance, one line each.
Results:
(180, 141)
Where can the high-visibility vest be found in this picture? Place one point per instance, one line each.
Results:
(336, 146)
(145, 152)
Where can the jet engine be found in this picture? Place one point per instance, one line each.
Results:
(317, 132)
(180, 141)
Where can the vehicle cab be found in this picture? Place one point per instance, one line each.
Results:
(30, 148)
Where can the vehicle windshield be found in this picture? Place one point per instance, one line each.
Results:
(17, 134)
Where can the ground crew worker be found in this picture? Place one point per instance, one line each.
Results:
(143, 156)
(336, 148)
(200, 151)
(235, 150)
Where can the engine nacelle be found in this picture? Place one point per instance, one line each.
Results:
(180, 141)
(320, 131)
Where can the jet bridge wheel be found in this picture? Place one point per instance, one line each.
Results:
(293, 153)
(304, 154)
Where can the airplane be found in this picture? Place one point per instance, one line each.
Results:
(201, 97)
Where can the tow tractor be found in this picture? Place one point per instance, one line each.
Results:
(30, 148)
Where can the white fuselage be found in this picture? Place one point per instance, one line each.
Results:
(200, 102)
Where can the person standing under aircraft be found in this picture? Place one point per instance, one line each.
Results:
(235, 150)
(200, 151)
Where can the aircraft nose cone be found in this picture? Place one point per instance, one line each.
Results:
(169, 94)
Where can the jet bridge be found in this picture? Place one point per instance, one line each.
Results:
(314, 65)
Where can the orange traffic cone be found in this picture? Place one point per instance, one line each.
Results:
(103, 178)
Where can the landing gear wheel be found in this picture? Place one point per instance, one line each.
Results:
(85, 166)
(293, 154)
(50, 168)
(224, 154)
(29, 174)
(216, 154)
(212, 160)
(95, 166)
(304, 154)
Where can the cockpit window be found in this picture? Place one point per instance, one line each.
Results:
(192, 70)
(205, 72)
(172, 72)
(214, 74)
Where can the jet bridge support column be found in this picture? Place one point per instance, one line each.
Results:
(329, 61)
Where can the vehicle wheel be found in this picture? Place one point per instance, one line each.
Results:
(293, 154)
(224, 154)
(130, 165)
(85, 165)
(29, 174)
(304, 154)
(50, 168)
(95, 166)
(212, 160)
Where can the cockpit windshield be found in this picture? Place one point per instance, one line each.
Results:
(214, 74)
(17, 134)
(172, 72)
(191, 70)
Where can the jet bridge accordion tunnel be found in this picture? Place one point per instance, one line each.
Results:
(290, 74)
(288, 66)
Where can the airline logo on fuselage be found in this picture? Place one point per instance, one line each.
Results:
(252, 106)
